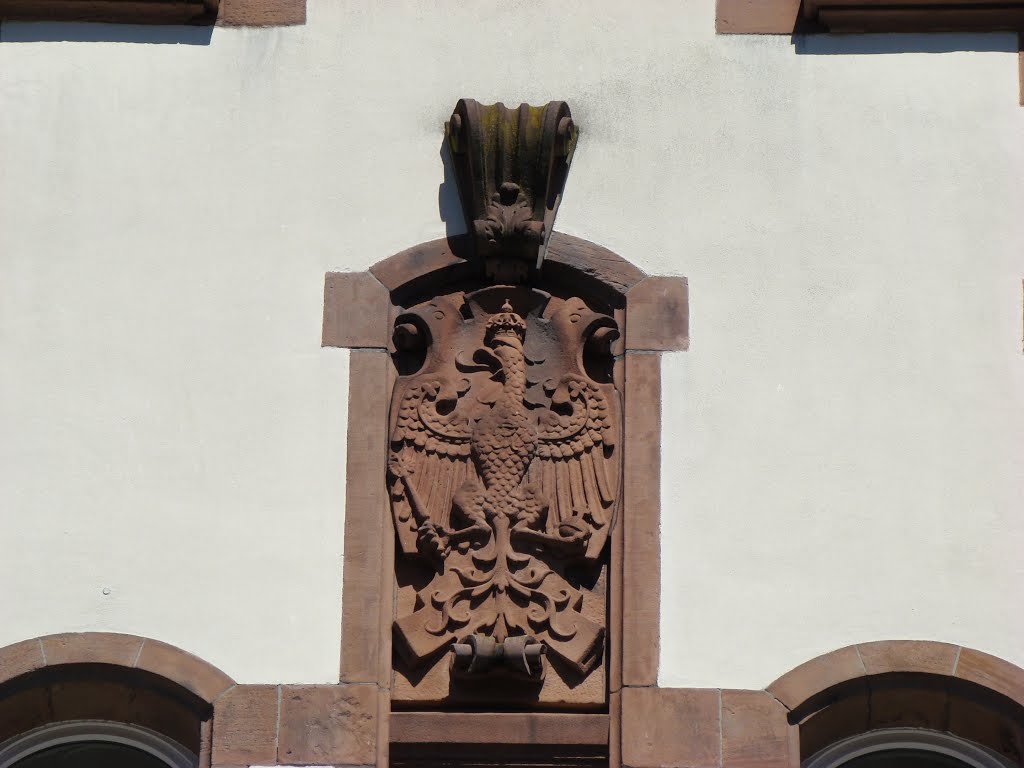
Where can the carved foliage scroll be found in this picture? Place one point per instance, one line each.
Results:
(511, 166)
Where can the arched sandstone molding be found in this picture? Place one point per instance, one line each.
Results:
(813, 677)
(912, 683)
(451, 257)
(657, 321)
(120, 650)
(109, 676)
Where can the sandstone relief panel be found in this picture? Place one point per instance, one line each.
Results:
(504, 476)
(504, 462)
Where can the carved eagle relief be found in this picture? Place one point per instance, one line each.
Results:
(503, 471)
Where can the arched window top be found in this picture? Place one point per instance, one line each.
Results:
(910, 747)
(130, 653)
(99, 742)
(132, 685)
(859, 694)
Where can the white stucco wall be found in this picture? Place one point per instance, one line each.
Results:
(843, 454)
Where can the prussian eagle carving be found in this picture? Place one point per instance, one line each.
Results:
(503, 472)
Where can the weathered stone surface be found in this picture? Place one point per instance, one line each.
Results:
(20, 658)
(755, 733)
(641, 561)
(505, 728)
(991, 672)
(366, 516)
(908, 656)
(328, 724)
(245, 726)
(355, 314)
(261, 13)
(670, 728)
(658, 315)
(204, 680)
(756, 17)
(798, 685)
(92, 647)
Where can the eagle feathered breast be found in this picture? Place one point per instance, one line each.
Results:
(447, 425)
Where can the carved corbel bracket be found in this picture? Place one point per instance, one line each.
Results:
(511, 166)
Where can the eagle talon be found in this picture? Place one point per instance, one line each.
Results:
(570, 541)
(474, 534)
(432, 541)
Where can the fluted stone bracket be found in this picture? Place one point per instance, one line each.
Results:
(511, 166)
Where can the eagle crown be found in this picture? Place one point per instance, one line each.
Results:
(506, 323)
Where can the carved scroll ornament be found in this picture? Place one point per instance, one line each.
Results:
(511, 166)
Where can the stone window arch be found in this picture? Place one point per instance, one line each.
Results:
(107, 688)
(848, 696)
(859, 694)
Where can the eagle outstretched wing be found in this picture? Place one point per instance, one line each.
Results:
(576, 466)
(429, 457)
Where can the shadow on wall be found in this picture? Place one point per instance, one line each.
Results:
(449, 204)
(82, 32)
(847, 45)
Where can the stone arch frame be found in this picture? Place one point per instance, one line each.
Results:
(905, 683)
(849, 691)
(110, 676)
(358, 310)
